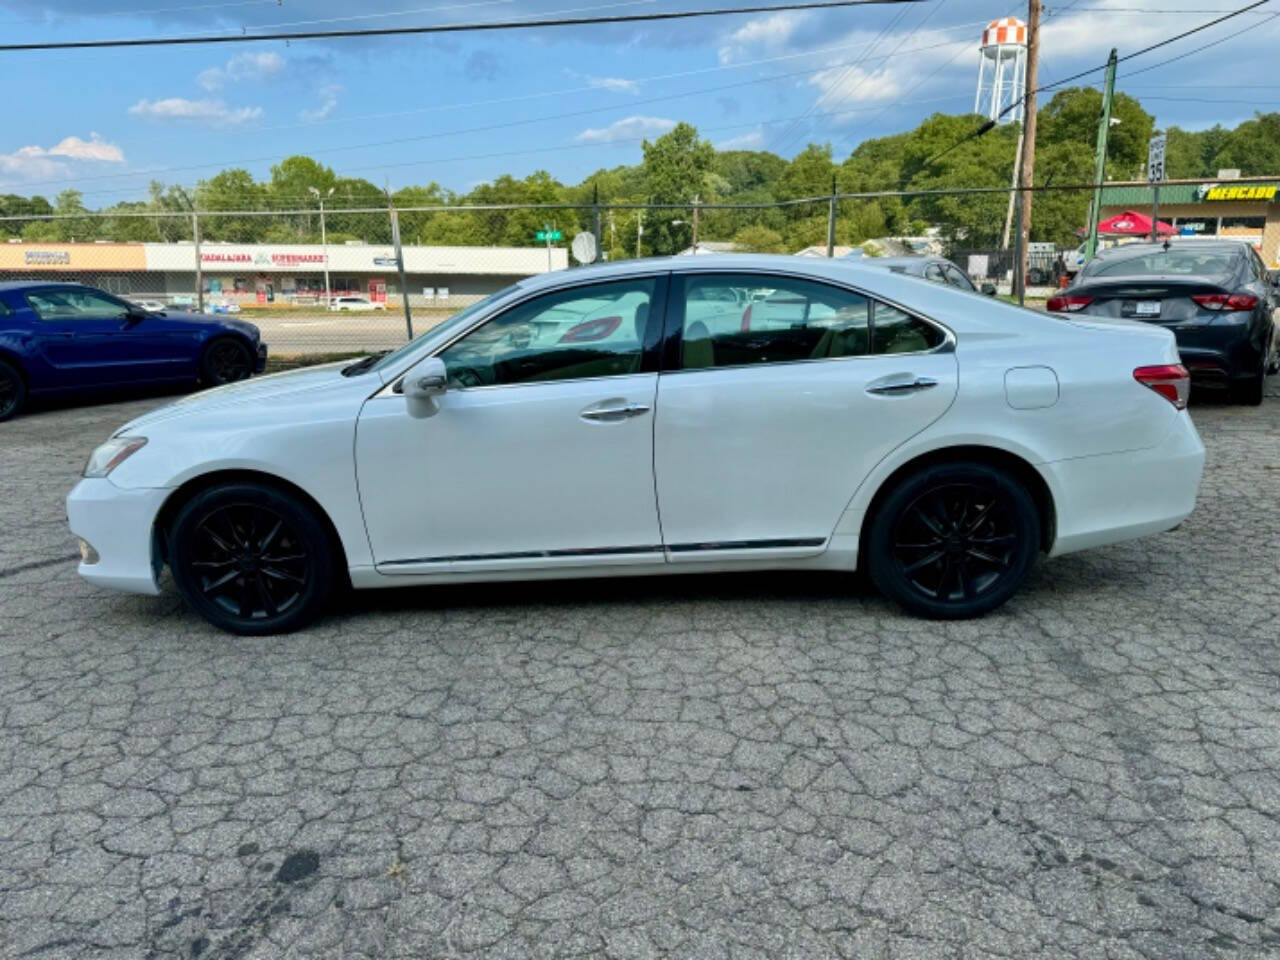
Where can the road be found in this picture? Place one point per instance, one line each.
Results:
(759, 766)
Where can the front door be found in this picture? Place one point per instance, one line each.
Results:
(539, 454)
(92, 339)
(770, 414)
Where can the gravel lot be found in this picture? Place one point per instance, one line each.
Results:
(696, 767)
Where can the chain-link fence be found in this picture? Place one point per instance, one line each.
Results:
(338, 281)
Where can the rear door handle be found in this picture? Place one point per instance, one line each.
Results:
(895, 387)
(614, 412)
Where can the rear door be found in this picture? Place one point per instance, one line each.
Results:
(766, 424)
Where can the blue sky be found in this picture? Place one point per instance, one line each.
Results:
(462, 109)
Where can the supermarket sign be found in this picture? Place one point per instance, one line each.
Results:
(1248, 191)
(273, 259)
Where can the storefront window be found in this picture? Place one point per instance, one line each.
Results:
(1197, 226)
(1243, 226)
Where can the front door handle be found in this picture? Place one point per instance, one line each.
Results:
(896, 387)
(620, 410)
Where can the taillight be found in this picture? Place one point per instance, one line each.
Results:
(1068, 303)
(1225, 301)
(1170, 380)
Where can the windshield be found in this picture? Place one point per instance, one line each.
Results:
(457, 320)
(1170, 263)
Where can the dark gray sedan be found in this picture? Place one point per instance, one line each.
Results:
(1214, 295)
(937, 269)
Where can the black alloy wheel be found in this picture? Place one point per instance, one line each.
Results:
(13, 391)
(953, 541)
(226, 361)
(251, 559)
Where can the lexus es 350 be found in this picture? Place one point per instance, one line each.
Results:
(660, 416)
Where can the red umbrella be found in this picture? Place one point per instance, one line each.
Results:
(1132, 224)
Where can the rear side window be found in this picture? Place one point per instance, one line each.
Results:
(788, 319)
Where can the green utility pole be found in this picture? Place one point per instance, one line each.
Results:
(1100, 156)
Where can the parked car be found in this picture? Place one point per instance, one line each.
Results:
(225, 306)
(1216, 297)
(151, 306)
(67, 338)
(355, 304)
(867, 420)
(937, 269)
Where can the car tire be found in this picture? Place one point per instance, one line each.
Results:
(13, 391)
(225, 360)
(954, 540)
(1251, 389)
(251, 559)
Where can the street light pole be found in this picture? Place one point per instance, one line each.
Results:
(324, 241)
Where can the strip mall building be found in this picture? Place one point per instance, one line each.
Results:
(1244, 211)
(284, 275)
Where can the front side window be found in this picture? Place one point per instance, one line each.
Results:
(934, 272)
(75, 305)
(585, 332)
(958, 279)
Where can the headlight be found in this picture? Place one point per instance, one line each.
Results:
(111, 454)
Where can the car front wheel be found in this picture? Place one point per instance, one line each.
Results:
(251, 559)
(225, 361)
(954, 540)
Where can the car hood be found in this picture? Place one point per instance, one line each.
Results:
(220, 320)
(263, 393)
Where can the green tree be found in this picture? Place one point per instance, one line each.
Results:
(675, 171)
(1253, 147)
(759, 239)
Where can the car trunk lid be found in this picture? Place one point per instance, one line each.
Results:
(1164, 300)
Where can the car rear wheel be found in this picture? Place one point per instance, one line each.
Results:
(225, 361)
(13, 391)
(1250, 391)
(954, 540)
(251, 559)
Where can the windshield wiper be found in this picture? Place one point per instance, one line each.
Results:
(363, 364)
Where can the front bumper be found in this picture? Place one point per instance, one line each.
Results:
(260, 362)
(119, 525)
(1121, 496)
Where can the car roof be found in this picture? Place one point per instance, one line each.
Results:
(8, 285)
(904, 260)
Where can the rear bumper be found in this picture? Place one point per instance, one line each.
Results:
(1215, 354)
(1121, 496)
(119, 525)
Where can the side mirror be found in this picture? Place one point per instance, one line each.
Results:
(135, 315)
(422, 385)
(987, 289)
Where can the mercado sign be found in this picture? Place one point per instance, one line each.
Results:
(104, 257)
(1248, 191)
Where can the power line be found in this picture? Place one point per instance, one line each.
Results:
(441, 133)
(443, 28)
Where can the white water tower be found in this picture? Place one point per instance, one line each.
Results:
(1002, 70)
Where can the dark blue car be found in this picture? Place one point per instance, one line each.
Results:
(64, 338)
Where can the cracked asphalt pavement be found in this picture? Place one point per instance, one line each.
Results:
(735, 767)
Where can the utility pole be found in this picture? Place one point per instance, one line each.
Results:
(324, 239)
(696, 201)
(595, 217)
(639, 230)
(1100, 157)
(195, 235)
(831, 221)
(546, 229)
(1027, 166)
(404, 288)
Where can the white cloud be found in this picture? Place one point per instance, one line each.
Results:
(752, 140)
(328, 103)
(771, 32)
(35, 162)
(846, 85)
(614, 84)
(631, 128)
(213, 112)
(242, 67)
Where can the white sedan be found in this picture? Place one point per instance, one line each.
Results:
(660, 416)
(354, 304)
